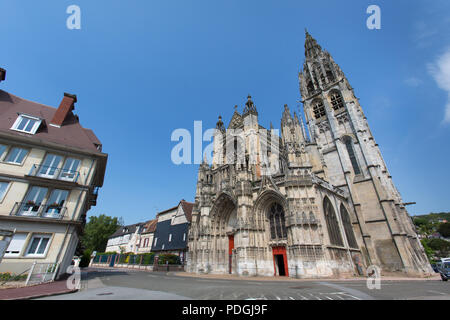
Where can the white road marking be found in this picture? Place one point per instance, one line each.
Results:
(317, 298)
(432, 291)
(351, 296)
(326, 296)
(348, 291)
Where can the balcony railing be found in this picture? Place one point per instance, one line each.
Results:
(31, 209)
(54, 173)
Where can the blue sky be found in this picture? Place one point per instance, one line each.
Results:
(142, 69)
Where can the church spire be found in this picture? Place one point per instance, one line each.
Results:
(219, 125)
(312, 48)
(250, 106)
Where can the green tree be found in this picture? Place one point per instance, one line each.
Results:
(444, 229)
(428, 251)
(423, 225)
(440, 247)
(97, 232)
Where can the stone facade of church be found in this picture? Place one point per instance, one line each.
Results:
(303, 205)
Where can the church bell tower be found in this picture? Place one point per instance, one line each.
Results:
(353, 162)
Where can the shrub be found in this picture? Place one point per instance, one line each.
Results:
(123, 258)
(8, 276)
(85, 258)
(168, 258)
(133, 259)
(444, 229)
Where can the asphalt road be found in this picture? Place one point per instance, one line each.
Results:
(141, 285)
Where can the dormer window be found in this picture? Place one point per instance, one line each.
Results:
(27, 124)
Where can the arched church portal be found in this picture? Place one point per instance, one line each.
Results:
(224, 222)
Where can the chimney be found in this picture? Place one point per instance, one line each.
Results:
(2, 74)
(66, 106)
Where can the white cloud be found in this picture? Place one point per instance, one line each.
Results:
(440, 71)
(413, 82)
(424, 34)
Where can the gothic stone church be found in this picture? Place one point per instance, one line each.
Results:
(330, 209)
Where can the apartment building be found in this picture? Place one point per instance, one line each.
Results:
(51, 169)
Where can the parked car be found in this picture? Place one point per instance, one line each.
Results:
(444, 268)
(435, 268)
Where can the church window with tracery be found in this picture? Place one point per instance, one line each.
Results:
(332, 223)
(336, 101)
(348, 228)
(351, 153)
(318, 109)
(277, 222)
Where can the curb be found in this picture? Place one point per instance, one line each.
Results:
(287, 279)
(43, 295)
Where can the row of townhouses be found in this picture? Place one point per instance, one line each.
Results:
(51, 169)
(167, 233)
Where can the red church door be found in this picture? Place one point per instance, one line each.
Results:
(280, 261)
(230, 252)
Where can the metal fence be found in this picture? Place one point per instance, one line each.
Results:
(124, 259)
(137, 261)
(42, 272)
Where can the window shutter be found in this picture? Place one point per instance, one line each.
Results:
(16, 244)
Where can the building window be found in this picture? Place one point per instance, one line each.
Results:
(16, 155)
(162, 248)
(26, 124)
(16, 245)
(38, 245)
(336, 100)
(332, 223)
(170, 237)
(3, 189)
(277, 222)
(31, 204)
(146, 243)
(2, 150)
(318, 109)
(329, 72)
(351, 153)
(69, 170)
(348, 228)
(55, 204)
(49, 166)
(184, 236)
(156, 240)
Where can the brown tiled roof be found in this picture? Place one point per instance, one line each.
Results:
(150, 226)
(187, 208)
(70, 134)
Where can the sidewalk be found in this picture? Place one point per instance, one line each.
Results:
(39, 290)
(278, 278)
